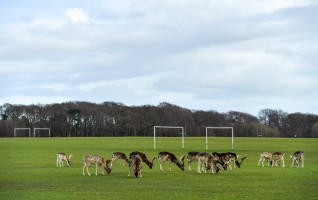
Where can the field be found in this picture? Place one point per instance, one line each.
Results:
(28, 170)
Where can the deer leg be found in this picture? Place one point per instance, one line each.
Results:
(199, 166)
(189, 167)
(160, 166)
(170, 166)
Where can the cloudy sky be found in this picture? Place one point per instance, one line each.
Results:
(199, 54)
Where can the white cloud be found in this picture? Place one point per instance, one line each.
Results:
(77, 15)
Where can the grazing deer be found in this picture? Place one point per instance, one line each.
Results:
(191, 157)
(99, 161)
(135, 165)
(143, 157)
(63, 157)
(265, 156)
(230, 156)
(297, 157)
(170, 158)
(276, 158)
(209, 161)
(121, 156)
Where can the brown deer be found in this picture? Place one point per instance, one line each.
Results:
(99, 161)
(170, 158)
(135, 165)
(276, 158)
(228, 157)
(191, 157)
(63, 157)
(121, 156)
(297, 157)
(208, 161)
(143, 157)
(265, 156)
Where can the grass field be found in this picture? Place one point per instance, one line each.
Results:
(28, 170)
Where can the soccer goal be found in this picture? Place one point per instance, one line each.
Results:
(169, 127)
(226, 128)
(41, 132)
(17, 132)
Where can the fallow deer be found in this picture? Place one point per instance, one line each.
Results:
(209, 162)
(135, 165)
(265, 156)
(229, 157)
(63, 157)
(143, 157)
(297, 157)
(170, 158)
(121, 156)
(276, 158)
(99, 161)
(191, 157)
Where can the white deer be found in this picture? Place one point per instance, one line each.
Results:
(99, 161)
(63, 157)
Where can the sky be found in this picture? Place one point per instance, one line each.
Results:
(206, 55)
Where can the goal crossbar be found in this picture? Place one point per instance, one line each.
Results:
(173, 127)
(41, 129)
(206, 135)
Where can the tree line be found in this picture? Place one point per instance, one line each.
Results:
(86, 119)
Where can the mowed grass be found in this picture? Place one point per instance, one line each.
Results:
(28, 170)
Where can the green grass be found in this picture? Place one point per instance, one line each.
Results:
(28, 170)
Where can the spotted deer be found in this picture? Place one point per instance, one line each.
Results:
(209, 161)
(170, 158)
(278, 157)
(143, 157)
(99, 161)
(191, 157)
(265, 156)
(228, 157)
(121, 156)
(135, 165)
(63, 157)
(297, 157)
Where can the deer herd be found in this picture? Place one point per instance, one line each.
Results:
(206, 161)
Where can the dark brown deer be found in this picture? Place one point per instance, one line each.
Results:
(143, 157)
(121, 156)
(191, 157)
(170, 158)
(135, 165)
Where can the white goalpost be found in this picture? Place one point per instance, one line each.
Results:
(19, 129)
(206, 135)
(45, 129)
(173, 127)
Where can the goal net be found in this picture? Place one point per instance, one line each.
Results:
(168, 127)
(218, 128)
(22, 132)
(41, 132)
